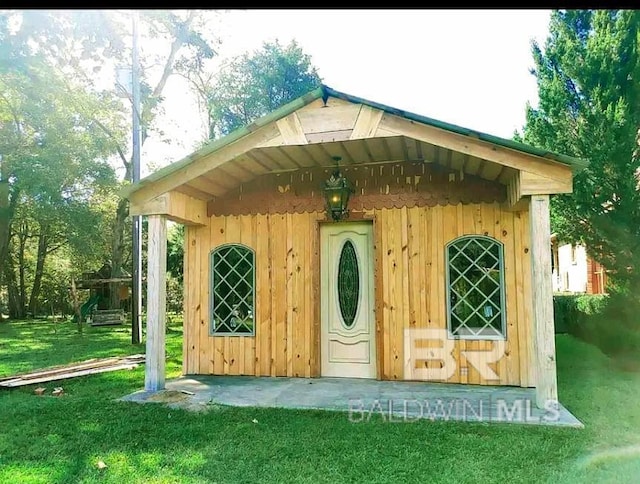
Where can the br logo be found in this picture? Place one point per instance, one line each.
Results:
(434, 344)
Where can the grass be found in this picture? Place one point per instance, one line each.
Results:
(50, 439)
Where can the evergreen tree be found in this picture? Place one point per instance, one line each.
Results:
(588, 78)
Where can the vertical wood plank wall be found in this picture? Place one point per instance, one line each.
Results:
(286, 339)
(409, 287)
(412, 280)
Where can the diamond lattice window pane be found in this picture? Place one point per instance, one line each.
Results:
(475, 288)
(232, 294)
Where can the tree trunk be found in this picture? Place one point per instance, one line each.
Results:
(37, 280)
(117, 250)
(22, 287)
(5, 222)
(15, 310)
(76, 306)
(5, 230)
(7, 208)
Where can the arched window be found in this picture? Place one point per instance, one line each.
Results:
(232, 307)
(475, 288)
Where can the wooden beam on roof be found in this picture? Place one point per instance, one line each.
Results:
(206, 186)
(299, 154)
(235, 171)
(476, 147)
(278, 157)
(457, 160)
(193, 192)
(418, 144)
(404, 148)
(448, 159)
(429, 154)
(205, 163)
(291, 130)
(262, 157)
(175, 206)
(275, 141)
(515, 201)
(291, 160)
(490, 171)
(367, 122)
(531, 184)
(340, 117)
(352, 156)
(336, 149)
(346, 157)
(309, 153)
(522, 184)
(506, 175)
(329, 136)
(473, 165)
(251, 164)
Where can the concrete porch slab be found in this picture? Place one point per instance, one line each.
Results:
(366, 399)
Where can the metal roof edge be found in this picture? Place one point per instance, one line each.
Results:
(577, 164)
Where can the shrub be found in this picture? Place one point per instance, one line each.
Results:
(174, 294)
(610, 322)
(616, 329)
(571, 311)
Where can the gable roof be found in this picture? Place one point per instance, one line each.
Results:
(324, 92)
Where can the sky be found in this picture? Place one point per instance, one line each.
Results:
(466, 67)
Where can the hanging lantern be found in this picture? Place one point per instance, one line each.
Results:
(337, 190)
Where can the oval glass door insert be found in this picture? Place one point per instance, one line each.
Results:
(348, 283)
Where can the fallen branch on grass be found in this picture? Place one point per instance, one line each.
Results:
(83, 368)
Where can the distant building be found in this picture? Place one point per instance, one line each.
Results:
(574, 271)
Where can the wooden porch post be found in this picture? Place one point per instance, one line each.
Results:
(542, 294)
(154, 372)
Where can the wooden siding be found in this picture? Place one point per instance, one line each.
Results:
(409, 290)
(285, 340)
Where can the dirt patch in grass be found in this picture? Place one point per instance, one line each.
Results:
(168, 396)
(180, 400)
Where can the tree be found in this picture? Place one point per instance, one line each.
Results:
(254, 84)
(54, 152)
(52, 159)
(175, 251)
(75, 49)
(183, 37)
(588, 78)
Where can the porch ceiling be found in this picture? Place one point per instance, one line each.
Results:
(270, 159)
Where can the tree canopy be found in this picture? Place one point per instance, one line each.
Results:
(65, 144)
(64, 131)
(53, 159)
(588, 75)
(254, 84)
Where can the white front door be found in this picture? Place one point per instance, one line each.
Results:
(346, 295)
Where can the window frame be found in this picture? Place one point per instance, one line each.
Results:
(503, 306)
(212, 331)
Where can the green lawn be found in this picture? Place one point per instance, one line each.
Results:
(61, 439)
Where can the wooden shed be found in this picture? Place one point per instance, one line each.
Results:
(438, 268)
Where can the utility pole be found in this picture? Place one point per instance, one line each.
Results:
(136, 296)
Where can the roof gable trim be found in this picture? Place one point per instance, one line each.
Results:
(372, 127)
